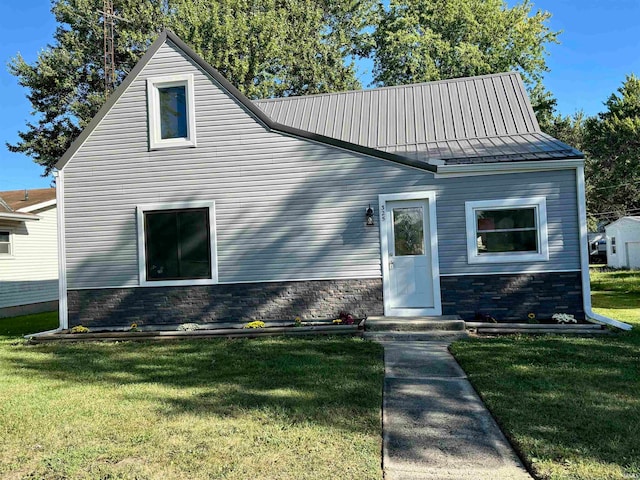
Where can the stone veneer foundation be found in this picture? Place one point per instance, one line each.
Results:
(505, 297)
(512, 297)
(240, 302)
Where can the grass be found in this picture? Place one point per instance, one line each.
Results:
(215, 409)
(570, 406)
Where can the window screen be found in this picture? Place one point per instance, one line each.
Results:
(173, 112)
(5, 242)
(506, 230)
(177, 244)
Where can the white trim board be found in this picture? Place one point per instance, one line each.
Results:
(63, 312)
(37, 206)
(477, 169)
(430, 197)
(238, 282)
(525, 272)
(154, 84)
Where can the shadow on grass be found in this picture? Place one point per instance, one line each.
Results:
(26, 324)
(302, 379)
(565, 400)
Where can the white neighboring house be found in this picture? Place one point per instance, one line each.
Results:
(623, 243)
(28, 252)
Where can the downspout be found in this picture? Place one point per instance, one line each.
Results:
(584, 258)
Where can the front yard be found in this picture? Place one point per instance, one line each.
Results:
(571, 406)
(219, 409)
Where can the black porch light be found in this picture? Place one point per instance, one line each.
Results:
(369, 214)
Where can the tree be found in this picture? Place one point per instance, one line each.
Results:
(612, 141)
(265, 47)
(419, 41)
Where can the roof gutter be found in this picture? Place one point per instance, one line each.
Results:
(22, 217)
(584, 259)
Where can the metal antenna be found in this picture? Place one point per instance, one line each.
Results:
(109, 18)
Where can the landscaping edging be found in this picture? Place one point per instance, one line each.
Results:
(114, 336)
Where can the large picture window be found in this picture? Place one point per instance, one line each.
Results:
(177, 244)
(171, 112)
(510, 230)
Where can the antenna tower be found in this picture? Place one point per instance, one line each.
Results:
(109, 54)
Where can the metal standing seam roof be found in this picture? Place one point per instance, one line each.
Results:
(466, 120)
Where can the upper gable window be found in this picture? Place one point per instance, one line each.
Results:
(171, 112)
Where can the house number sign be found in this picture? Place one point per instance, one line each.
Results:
(383, 213)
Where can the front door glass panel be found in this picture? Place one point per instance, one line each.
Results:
(408, 231)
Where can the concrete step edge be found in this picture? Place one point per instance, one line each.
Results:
(534, 326)
(574, 331)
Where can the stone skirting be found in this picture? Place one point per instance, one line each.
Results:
(240, 302)
(512, 297)
(29, 309)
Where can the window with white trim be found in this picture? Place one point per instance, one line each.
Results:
(613, 245)
(171, 112)
(507, 230)
(177, 243)
(6, 247)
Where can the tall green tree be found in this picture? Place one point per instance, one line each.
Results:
(418, 40)
(612, 141)
(265, 47)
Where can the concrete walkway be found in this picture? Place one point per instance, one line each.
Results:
(434, 424)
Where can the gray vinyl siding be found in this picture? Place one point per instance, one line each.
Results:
(286, 208)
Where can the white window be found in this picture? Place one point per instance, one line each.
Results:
(6, 247)
(507, 230)
(613, 245)
(177, 244)
(171, 112)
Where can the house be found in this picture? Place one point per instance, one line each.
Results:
(28, 252)
(184, 201)
(623, 243)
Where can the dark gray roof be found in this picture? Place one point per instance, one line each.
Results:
(466, 120)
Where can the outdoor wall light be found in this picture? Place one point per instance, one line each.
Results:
(369, 215)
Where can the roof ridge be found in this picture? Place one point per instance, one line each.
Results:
(389, 87)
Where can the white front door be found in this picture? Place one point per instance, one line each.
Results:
(410, 277)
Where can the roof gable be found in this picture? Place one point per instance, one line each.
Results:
(633, 220)
(252, 109)
(473, 120)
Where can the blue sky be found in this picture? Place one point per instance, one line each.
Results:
(599, 46)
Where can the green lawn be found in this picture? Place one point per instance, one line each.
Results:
(571, 406)
(215, 409)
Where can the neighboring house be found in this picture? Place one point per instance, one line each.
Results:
(28, 252)
(623, 243)
(184, 201)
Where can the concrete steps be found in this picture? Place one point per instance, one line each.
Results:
(415, 324)
(445, 328)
